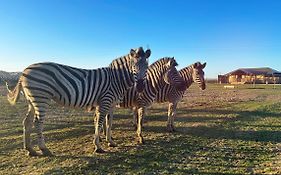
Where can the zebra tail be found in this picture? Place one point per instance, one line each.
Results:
(13, 95)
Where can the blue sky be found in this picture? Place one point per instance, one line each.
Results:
(227, 34)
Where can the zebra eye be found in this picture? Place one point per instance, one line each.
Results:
(132, 62)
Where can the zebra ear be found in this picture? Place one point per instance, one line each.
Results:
(147, 53)
(133, 53)
(174, 62)
(196, 65)
(204, 65)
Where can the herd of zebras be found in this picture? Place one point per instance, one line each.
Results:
(127, 82)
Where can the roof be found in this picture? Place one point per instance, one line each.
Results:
(255, 71)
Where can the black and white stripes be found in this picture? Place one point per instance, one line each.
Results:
(168, 93)
(78, 88)
(127, 81)
(161, 72)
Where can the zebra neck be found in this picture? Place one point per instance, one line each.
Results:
(186, 73)
(155, 79)
(121, 79)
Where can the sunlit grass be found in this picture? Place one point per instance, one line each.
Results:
(219, 131)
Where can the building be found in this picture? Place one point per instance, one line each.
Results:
(251, 76)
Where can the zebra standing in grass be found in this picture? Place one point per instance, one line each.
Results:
(79, 88)
(159, 73)
(190, 74)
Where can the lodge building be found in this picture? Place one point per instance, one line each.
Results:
(251, 76)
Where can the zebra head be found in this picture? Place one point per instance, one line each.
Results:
(173, 77)
(139, 65)
(198, 74)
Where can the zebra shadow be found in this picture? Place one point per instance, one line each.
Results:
(225, 124)
(165, 154)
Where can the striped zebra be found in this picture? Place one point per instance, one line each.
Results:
(99, 88)
(190, 74)
(159, 73)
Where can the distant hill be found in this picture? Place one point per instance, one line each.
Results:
(11, 77)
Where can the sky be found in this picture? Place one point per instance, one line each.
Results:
(227, 34)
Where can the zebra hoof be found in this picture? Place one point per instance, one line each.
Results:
(46, 152)
(112, 144)
(32, 153)
(99, 150)
(170, 129)
(141, 141)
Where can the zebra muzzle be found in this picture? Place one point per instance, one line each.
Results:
(203, 86)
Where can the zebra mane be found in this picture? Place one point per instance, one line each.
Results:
(161, 62)
(186, 74)
(156, 71)
(124, 60)
(140, 51)
(187, 68)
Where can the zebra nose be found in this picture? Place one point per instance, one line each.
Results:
(203, 87)
(140, 85)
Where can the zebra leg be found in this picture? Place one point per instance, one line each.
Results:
(135, 117)
(39, 120)
(174, 114)
(108, 122)
(171, 116)
(139, 126)
(144, 114)
(100, 115)
(27, 129)
(104, 125)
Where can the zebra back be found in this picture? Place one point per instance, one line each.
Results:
(66, 85)
(82, 88)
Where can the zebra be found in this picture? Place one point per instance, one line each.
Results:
(161, 72)
(98, 88)
(168, 93)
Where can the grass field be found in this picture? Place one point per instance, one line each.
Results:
(219, 131)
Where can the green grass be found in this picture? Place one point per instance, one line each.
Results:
(219, 131)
